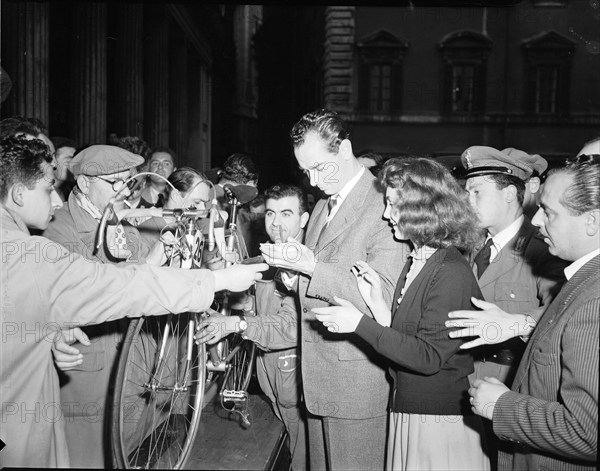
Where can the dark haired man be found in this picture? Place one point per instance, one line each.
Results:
(344, 383)
(29, 127)
(46, 289)
(162, 162)
(550, 417)
(274, 328)
(65, 150)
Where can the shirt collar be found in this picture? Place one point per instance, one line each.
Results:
(423, 253)
(505, 235)
(344, 192)
(8, 214)
(580, 262)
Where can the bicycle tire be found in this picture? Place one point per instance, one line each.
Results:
(157, 404)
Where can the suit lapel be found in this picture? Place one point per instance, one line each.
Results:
(349, 211)
(509, 256)
(317, 221)
(558, 306)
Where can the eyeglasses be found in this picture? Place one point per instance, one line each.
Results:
(116, 184)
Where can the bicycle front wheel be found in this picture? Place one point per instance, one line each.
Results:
(159, 393)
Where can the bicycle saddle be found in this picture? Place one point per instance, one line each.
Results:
(242, 193)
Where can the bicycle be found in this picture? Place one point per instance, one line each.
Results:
(162, 373)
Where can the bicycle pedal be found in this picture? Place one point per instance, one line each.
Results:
(234, 396)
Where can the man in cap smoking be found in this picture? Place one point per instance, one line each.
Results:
(514, 269)
(100, 172)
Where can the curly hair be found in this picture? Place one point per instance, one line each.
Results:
(21, 161)
(433, 209)
(22, 125)
(135, 145)
(239, 168)
(326, 124)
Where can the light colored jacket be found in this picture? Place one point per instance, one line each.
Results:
(342, 375)
(46, 288)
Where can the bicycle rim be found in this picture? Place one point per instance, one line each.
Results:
(158, 402)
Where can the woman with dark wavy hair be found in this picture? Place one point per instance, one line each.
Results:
(431, 423)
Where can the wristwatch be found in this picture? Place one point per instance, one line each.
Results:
(243, 324)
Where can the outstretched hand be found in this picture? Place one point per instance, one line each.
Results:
(491, 325)
(291, 255)
(339, 319)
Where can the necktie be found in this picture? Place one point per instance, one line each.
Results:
(482, 259)
(331, 203)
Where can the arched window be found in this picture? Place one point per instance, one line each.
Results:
(464, 55)
(548, 73)
(380, 73)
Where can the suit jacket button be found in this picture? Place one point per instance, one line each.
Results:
(304, 310)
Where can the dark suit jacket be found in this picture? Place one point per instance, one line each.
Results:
(551, 414)
(342, 375)
(429, 370)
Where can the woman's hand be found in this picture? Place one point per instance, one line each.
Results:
(369, 283)
(340, 319)
(369, 286)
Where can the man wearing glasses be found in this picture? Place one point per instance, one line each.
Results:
(100, 172)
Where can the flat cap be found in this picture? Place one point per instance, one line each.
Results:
(535, 161)
(483, 160)
(104, 160)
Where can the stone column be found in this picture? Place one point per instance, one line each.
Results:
(179, 98)
(89, 73)
(129, 92)
(25, 51)
(338, 58)
(156, 79)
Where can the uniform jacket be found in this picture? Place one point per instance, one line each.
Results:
(523, 278)
(427, 366)
(342, 375)
(45, 288)
(551, 414)
(275, 331)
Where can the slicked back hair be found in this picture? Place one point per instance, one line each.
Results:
(239, 168)
(433, 209)
(584, 193)
(184, 179)
(21, 161)
(502, 181)
(326, 124)
(276, 192)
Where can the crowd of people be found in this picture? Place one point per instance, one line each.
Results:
(409, 321)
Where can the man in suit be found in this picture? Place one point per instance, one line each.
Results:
(344, 384)
(551, 414)
(514, 269)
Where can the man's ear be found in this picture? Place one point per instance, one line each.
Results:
(304, 219)
(83, 183)
(510, 193)
(17, 194)
(534, 184)
(345, 149)
(592, 223)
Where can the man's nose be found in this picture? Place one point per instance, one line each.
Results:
(537, 218)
